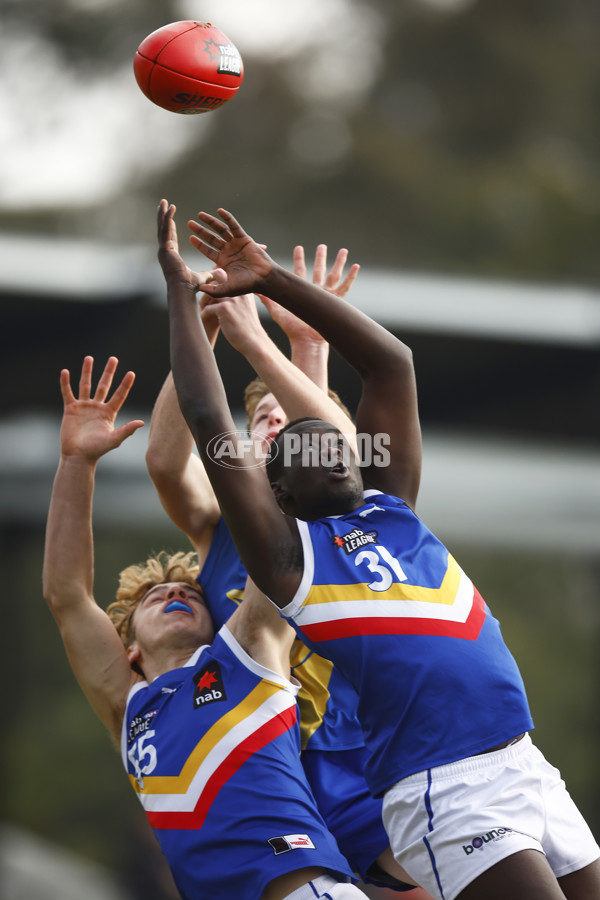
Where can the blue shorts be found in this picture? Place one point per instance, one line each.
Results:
(351, 813)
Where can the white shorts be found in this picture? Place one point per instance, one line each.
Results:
(327, 887)
(449, 824)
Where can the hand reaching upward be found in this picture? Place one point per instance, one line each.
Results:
(245, 263)
(88, 426)
(169, 257)
(332, 281)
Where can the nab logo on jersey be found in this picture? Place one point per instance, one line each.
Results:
(354, 540)
(208, 686)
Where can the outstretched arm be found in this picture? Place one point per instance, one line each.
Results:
(388, 405)
(178, 475)
(295, 391)
(267, 541)
(309, 351)
(97, 656)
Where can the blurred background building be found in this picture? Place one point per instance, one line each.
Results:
(453, 146)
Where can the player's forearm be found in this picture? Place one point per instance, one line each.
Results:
(177, 473)
(312, 357)
(170, 441)
(298, 395)
(243, 494)
(197, 380)
(363, 343)
(68, 572)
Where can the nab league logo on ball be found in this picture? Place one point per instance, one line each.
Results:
(229, 61)
(233, 448)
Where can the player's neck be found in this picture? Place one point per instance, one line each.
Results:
(165, 661)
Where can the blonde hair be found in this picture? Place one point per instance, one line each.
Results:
(135, 582)
(257, 389)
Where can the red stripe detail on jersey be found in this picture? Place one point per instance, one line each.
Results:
(272, 729)
(341, 628)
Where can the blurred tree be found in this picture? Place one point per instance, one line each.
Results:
(476, 141)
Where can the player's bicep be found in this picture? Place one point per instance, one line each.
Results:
(99, 662)
(391, 444)
(189, 500)
(261, 630)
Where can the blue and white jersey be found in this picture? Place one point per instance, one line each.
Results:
(212, 751)
(384, 600)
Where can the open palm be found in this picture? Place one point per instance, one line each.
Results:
(88, 425)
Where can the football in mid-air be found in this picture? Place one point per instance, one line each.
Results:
(188, 67)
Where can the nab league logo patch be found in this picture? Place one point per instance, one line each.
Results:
(208, 686)
(139, 725)
(354, 540)
(287, 842)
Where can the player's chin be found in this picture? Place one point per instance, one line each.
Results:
(337, 498)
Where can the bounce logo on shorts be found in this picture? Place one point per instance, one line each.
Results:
(478, 843)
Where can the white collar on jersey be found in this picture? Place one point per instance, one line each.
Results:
(371, 492)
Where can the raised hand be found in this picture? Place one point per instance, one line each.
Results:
(245, 263)
(88, 426)
(331, 281)
(237, 317)
(169, 257)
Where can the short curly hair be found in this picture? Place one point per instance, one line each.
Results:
(135, 581)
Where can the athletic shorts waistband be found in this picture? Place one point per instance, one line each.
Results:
(513, 750)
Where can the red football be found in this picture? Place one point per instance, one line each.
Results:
(188, 67)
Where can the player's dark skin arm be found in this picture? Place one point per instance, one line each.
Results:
(388, 403)
(270, 547)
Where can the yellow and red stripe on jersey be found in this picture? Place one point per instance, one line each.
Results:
(454, 609)
(183, 800)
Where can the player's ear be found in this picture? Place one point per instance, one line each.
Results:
(134, 654)
(279, 491)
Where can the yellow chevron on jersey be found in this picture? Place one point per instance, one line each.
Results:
(446, 593)
(236, 595)
(260, 706)
(314, 673)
